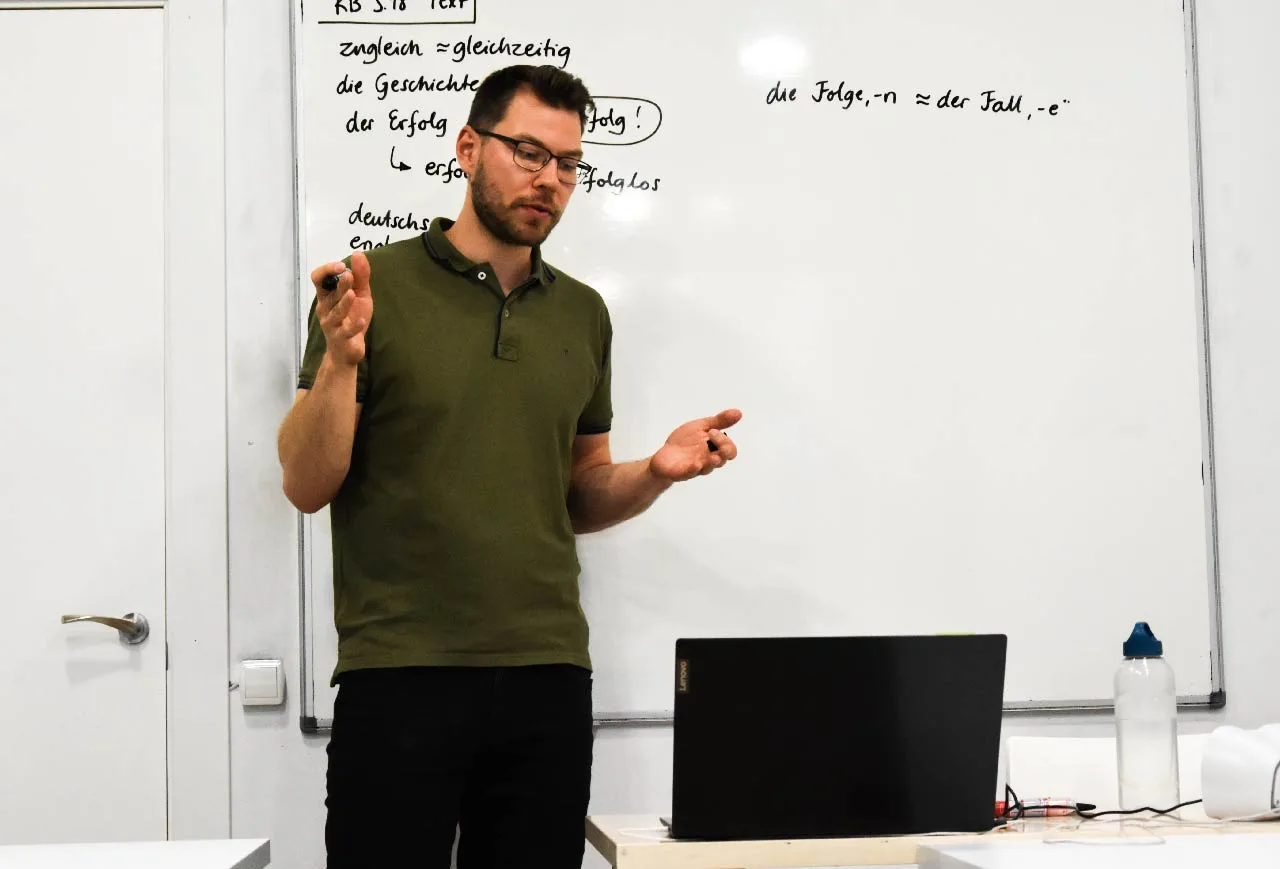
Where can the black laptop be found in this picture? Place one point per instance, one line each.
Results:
(805, 737)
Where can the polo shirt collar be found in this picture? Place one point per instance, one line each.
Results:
(443, 251)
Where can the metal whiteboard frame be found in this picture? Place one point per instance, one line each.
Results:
(1217, 697)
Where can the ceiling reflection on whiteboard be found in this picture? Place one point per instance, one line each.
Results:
(627, 208)
(773, 57)
(610, 285)
(716, 207)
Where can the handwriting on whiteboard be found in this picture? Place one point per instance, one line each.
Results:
(846, 97)
(599, 179)
(403, 91)
(372, 50)
(621, 121)
(399, 11)
(384, 85)
(473, 46)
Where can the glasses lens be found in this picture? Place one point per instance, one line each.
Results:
(531, 156)
(570, 171)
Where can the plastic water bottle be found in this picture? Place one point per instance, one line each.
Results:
(1146, 724)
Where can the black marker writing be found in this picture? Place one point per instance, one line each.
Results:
(357, 124)
(621, 121)
(372, 52)
(618, 183)
(992, 101)
(1010, 104)
(350, 86)
(358, 243)
(400, 11)
(341, 6)
(446, 172)
(473, 47)
(361, 216)
(779, 94)
(385, 84)
(946, 101)
(416, 122)
(847, 97)
(613, 123)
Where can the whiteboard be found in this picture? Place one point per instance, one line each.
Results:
(944, 256)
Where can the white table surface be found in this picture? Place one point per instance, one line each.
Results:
(193, 854)
(1137, 849)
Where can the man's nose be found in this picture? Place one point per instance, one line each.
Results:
(547, 176)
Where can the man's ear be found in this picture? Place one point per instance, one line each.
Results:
(468, 149)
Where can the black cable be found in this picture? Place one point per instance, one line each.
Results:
(1092, 815)
(1014, 808)
(1011, 804)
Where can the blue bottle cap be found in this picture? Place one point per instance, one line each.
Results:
(1142, 643)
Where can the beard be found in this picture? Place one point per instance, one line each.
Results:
(507, 223)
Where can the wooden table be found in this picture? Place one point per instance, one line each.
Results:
(641, 842)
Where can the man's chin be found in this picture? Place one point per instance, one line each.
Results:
(531, 232)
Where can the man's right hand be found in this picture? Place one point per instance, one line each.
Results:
(345, 312)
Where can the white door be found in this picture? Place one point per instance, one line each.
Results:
(82, 444)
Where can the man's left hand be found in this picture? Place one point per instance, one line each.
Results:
(687, 452)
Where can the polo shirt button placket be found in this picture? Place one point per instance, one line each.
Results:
(506, 348)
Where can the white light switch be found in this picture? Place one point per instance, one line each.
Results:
(262, 682)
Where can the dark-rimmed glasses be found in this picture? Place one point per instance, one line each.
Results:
(533, 157)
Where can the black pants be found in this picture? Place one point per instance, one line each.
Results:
(502, 755)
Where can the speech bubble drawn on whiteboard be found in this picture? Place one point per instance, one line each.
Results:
(621, 121)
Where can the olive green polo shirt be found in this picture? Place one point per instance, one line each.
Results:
(452, 543)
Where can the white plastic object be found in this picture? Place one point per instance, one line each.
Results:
(1240, 773)
(261, 682)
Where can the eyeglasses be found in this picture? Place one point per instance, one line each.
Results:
(527, 155)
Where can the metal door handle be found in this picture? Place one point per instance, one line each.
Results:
(133, 627)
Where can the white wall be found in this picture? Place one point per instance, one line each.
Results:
(277, 773)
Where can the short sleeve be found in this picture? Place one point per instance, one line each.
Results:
(313, 355)
(597, 417)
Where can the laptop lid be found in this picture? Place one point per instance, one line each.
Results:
(801, 737)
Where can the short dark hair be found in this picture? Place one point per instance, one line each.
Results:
(550, 84)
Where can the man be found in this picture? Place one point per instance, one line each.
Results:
(461, 438)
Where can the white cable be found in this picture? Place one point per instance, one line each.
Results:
(641, 833)
(1055, 837)
(1151, 825)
